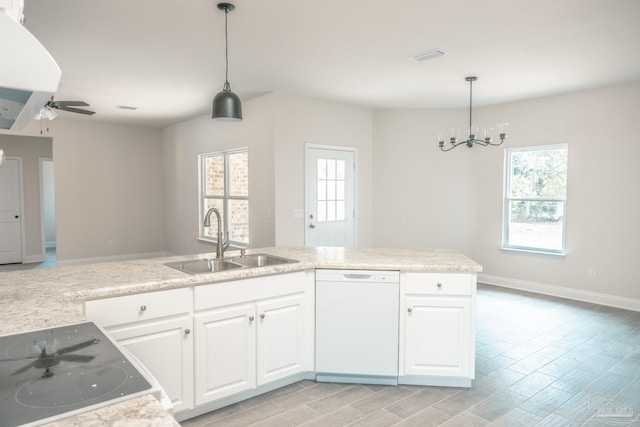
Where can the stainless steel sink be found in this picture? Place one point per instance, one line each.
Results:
(261, 260)
(199, 266)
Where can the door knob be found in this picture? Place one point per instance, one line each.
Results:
(17, 216)
(312, 226)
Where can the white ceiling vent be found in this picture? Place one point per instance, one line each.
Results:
(429, 54)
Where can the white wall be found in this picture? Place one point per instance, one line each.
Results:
(603, 203)
(31, 149)
(305, 120)
(423, 198)
(426, 198)
(49, 203)
(275, 128)
(109, 186)
(182, 144)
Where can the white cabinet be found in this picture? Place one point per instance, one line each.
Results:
(280, 337)
(438, 336)
(156, 328)
(249, 333)
(224, 352)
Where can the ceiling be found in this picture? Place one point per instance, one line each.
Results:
(167, 57)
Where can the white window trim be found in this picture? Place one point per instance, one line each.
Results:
(506, 199)
(201, 236)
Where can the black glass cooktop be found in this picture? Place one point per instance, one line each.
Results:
(54, 371)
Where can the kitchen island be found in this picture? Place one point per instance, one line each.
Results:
(38, 299)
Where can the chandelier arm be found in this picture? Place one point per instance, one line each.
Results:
(496, 144)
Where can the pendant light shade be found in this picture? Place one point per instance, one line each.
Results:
(226, 104)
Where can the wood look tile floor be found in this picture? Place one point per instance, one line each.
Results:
(540, 361)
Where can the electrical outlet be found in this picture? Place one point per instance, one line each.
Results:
(592, 272)
(109, 243)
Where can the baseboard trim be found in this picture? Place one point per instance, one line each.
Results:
(559, 291)
(30, 259)
(81, 261)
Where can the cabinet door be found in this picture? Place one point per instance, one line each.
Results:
(280, 337)
(438, 336)
(224, 352)
(165, 348)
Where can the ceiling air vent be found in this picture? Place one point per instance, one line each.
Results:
(429, 54)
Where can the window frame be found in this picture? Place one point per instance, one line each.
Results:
(226, 197)
(507, 199)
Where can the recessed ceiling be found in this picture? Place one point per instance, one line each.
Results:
(167, 57)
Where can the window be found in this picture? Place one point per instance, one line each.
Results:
(535, 199)
(224, 184)
(331, 189)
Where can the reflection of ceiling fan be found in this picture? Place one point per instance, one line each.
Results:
(47, 112)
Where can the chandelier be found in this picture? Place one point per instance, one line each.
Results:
(473, 130)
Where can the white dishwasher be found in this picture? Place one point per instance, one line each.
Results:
(357, 315)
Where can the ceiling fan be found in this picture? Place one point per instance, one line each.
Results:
(69, 106)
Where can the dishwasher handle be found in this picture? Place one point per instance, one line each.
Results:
(357, 276)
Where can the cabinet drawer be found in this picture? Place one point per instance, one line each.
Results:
(240, 291)
(439, 284)
(139, 307)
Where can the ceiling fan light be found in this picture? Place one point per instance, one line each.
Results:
(46, 113)
(227, 106)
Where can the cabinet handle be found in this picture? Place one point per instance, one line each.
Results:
(187, 331)
(262, 316)
(409, 309)
(251, 318)
(439, 285)
(143, 308)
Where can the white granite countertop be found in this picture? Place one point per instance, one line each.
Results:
(36, 299)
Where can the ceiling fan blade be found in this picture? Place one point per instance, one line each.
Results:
(76, 110)
(71, 103)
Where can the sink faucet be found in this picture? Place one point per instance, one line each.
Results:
(220, 244)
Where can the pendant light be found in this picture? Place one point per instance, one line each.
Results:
(226, 104)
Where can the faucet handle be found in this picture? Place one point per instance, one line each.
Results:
(242, 254)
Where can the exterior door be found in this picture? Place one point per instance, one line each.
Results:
(330, 196)
(10, 217)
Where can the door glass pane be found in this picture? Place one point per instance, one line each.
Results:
(331, 210)
(322, 211)
(214, 175)
(239, 174)
(331, 169)
(331, 190)
(322, 190)
(322, 168)
(341, 167)
(340, 190)
(340, 211)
